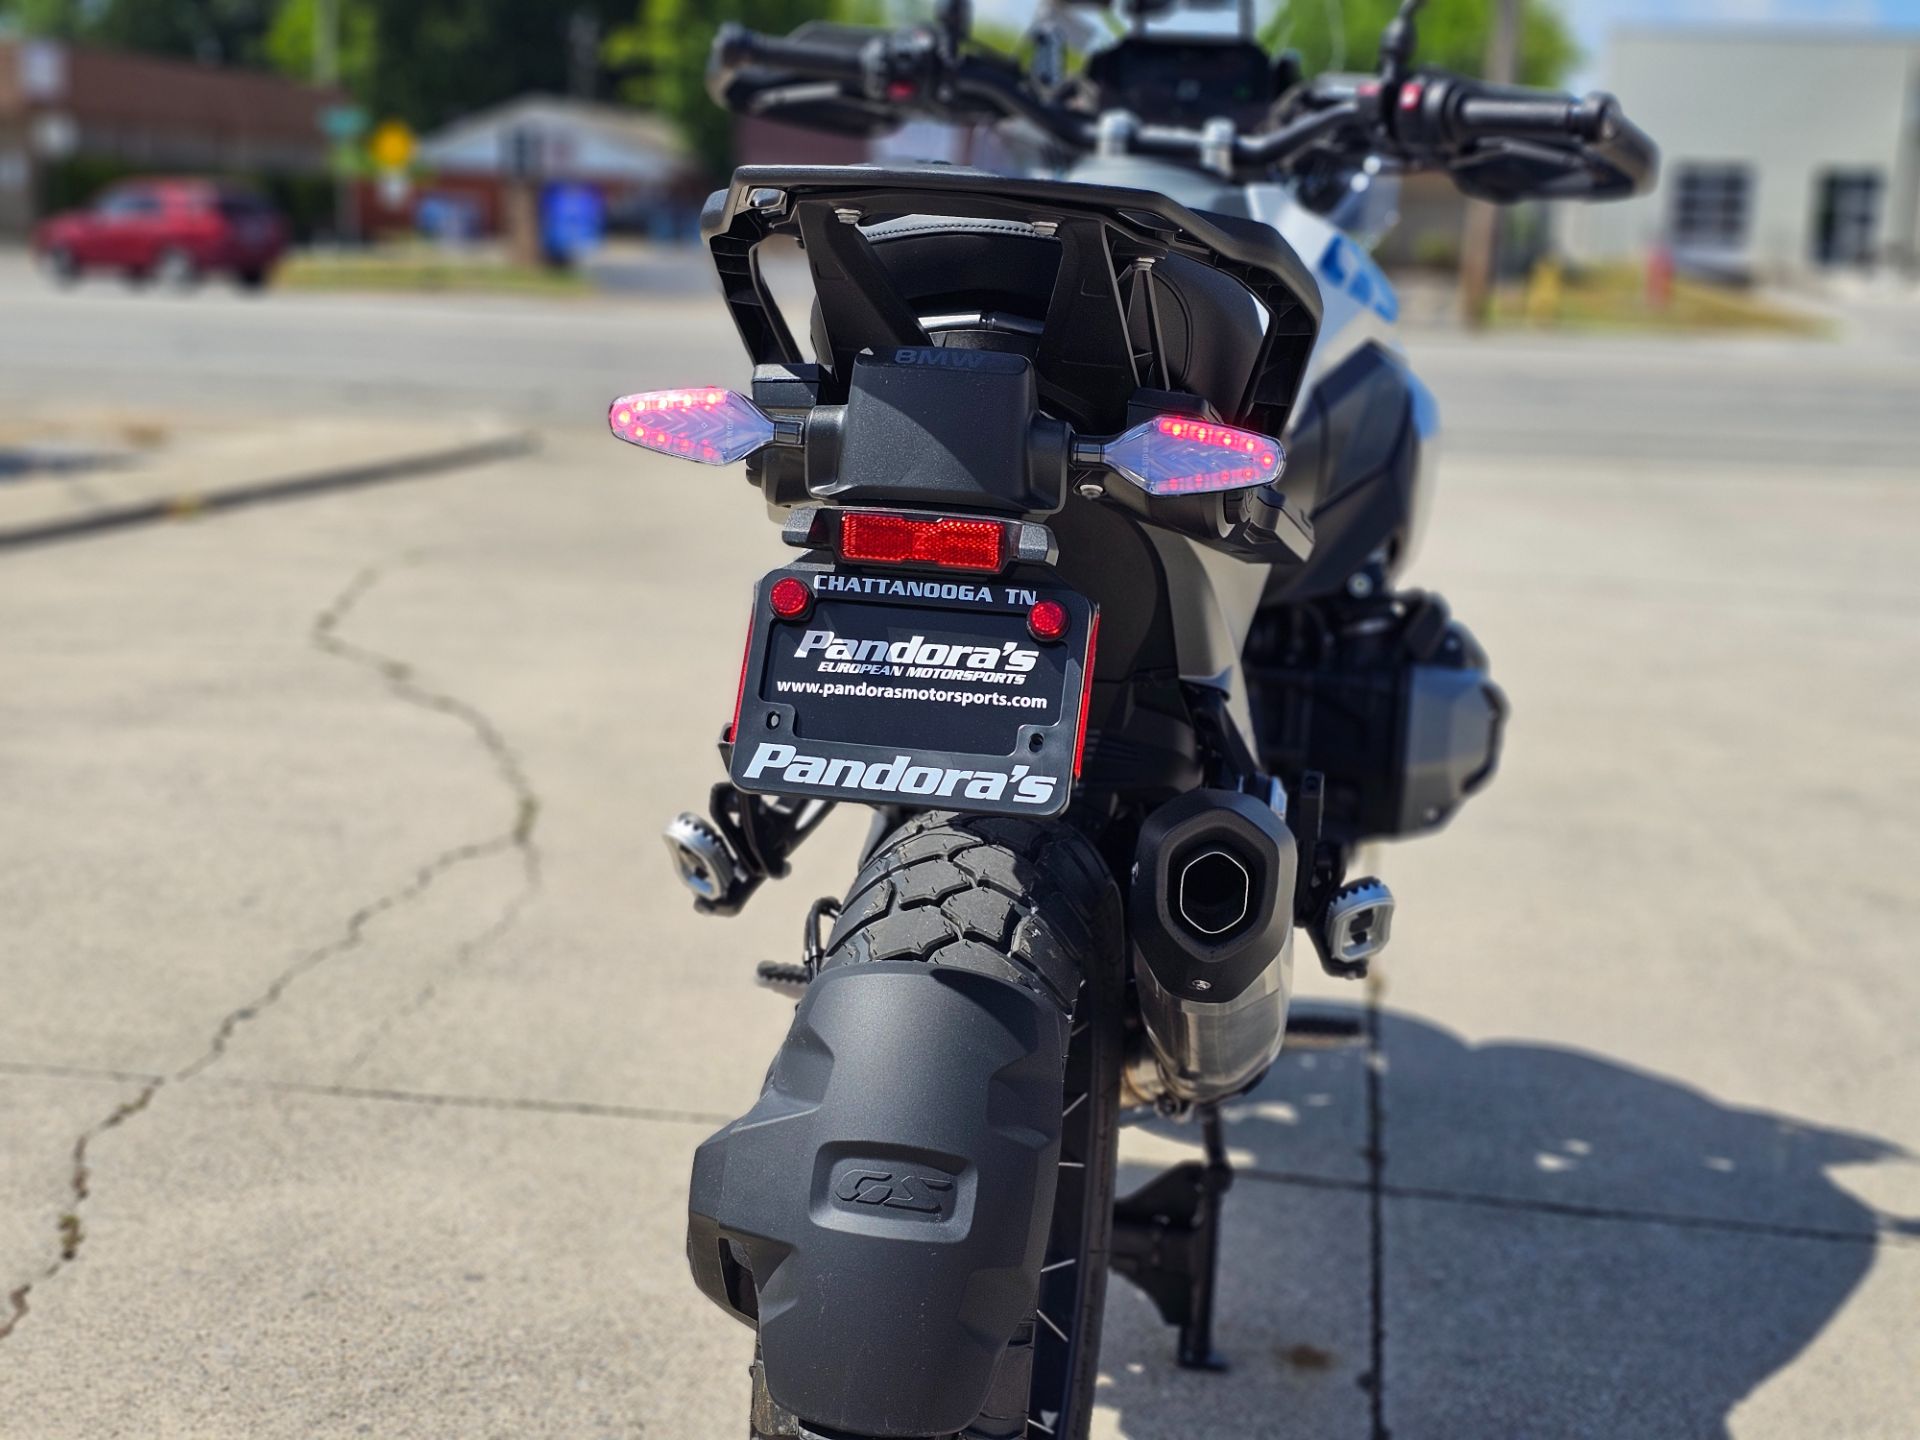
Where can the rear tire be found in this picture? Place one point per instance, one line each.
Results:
(1033, 904)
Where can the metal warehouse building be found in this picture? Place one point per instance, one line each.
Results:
(1785, 152)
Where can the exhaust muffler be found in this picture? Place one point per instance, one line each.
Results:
(1211, 921)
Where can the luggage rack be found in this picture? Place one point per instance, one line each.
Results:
(1110, 238)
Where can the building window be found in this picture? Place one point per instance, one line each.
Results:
(1848, 222)
(1711, 205)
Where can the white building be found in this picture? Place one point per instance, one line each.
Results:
(1784, 151)
(562, 139)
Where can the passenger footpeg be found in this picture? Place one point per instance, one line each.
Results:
(788, 980)
(746, 842)
(1353, 928)
(792, 980)
(705, 862)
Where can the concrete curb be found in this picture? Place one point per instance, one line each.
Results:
(183, 504)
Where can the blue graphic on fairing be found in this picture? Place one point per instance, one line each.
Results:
(1345, 265)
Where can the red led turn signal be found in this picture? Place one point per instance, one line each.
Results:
(790, 598)
(1181, 455)
(711, 426)
(1048, 620)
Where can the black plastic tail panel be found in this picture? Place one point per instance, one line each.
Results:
(1352, 464)
(883, 1208)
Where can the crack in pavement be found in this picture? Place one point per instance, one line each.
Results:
(324, 635)
(508, 918)
(79, 1179)
(1891, 1231)
(1376, 1377)
(73, 1072)
(536, 1106)
(401, 680)
(441, 1099)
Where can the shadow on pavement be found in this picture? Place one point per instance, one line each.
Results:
(1566, 1246)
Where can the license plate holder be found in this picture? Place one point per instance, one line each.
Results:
(918, 690)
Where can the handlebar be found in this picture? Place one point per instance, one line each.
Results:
(1424, 120)
(1623, 144)
(1481, 112)
(916, 72)
(736, 46)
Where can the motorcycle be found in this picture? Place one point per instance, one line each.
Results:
(1101, 480)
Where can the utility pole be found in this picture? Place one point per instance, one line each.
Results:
(583, 54)
(1480, 237)
(326, 43)
(344, 123)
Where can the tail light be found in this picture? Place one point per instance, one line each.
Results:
(947, 543)
(1181, 455)
(713, 427)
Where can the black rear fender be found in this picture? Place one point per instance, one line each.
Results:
(881, 1212)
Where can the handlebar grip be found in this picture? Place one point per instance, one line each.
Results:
(736, 46)
(1516, 117)
(1597, 124)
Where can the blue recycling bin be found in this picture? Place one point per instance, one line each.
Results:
(573, 221)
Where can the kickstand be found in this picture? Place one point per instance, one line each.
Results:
(1166, 1240)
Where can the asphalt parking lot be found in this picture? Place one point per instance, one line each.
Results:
(354, 1038)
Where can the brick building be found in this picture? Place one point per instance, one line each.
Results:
(66, 105)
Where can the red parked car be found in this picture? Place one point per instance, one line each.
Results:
(171, 230)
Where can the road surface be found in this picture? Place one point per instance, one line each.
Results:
(355, 1041)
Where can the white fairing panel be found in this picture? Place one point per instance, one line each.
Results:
(1358, 304)
(1426, 415)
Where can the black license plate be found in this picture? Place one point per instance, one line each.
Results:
(920, 691)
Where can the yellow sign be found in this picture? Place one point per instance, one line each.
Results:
(391, 146)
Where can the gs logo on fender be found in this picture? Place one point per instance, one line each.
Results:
(863, 1187)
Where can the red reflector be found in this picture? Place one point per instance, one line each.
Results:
(1086, 691)
(1048, 620)
(790, 598)
(898, 540)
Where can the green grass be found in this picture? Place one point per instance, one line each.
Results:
(1615, 298)
(425, 271)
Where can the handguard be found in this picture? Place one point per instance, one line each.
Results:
(882, 1211)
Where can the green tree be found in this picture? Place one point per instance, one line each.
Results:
(293, 41)
(425, 61)
(221, 31)
(436, 60)
(664, 52)
(1453, 36)
(58, 18)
